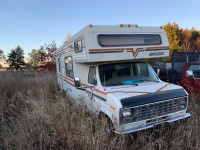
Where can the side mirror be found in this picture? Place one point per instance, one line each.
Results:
(77, 82)
(189, 74)
(158, 72)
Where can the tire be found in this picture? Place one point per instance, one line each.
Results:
(106, 122)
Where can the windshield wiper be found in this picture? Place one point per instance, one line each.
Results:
(134, 84)
(155, 81)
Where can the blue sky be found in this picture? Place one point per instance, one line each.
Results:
(32, 23)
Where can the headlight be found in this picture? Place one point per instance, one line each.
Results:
(183, 103)
(126, 112)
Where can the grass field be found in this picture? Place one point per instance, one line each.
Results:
(33, 115)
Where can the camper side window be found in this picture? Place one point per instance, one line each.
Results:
(92, 75)
(78, 46)
(59, 64)
(69, 67)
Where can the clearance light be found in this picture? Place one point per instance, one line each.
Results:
(161, 27)
(129, 25)
(112, 107)
(121, 25)
(136, 26)
(90, 25)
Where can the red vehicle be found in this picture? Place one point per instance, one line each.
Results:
(190, 78)
(185, 71)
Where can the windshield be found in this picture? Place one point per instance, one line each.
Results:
(127, 73)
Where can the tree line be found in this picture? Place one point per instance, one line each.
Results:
(180, 40)
(42, 58)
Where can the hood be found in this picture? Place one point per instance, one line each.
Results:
(146, 93)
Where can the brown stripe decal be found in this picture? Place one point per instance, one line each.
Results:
(157, 47)
(105, 50)
(134, 53)
(68, 50)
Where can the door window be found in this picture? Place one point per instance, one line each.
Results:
(92, 75)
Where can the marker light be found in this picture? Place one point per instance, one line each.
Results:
(112, 107)
(121, 25)
(129, 25)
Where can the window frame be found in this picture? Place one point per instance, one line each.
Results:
(70, 70)
(98, 39)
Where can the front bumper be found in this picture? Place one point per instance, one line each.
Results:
(150, 126)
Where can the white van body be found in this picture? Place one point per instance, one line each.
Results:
(116, 80)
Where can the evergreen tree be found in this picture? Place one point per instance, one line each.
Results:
(16, 58)
(173, 34)
(2, 56)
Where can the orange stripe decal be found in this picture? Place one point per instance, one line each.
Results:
(129, 92)
(102, 92)
(162, 87)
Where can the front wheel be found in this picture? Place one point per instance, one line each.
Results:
(106, 123)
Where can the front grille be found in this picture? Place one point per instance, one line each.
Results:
(153, 110)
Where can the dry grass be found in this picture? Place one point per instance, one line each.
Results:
(33, 115)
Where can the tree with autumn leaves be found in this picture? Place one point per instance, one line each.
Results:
(47, 56)
(183, 40)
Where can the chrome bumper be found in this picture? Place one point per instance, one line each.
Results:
(150, 126)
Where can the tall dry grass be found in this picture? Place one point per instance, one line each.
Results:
(33, 115)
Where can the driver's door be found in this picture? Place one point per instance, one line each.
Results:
(92, 83)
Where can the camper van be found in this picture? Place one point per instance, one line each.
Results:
(105, 67)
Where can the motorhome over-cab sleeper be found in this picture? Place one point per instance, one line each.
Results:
(104, 66)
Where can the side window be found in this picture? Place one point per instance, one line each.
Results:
(92, 75)
(59, 67)
(196, 70)
(69, 67)
(78, 46)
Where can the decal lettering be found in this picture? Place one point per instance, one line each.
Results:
(157, 54)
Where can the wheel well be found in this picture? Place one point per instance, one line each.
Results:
(103, 115)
